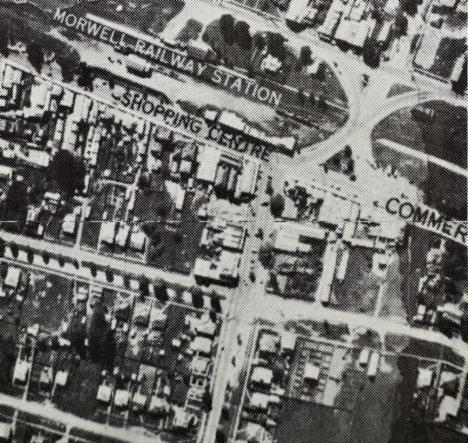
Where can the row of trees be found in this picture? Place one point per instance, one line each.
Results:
(159, 286)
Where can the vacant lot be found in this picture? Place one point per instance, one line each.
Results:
(302, 422)
(358, 290)
(49, 301)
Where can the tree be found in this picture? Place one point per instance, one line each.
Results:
(401, 24)
(4, 43)
(30, 255)
(17, 197)
(207, 401)
(61, 261)
(160, 291)
(109, 275)
(69, 60)
(35, 55)
(197, 297)
(45, 257)
(14, 250)
(242, 35)
(276, 45)
(277, 205)
(76, 264)
(215, 303)
(266, 255)
(144, 286)
(2, 247)
(305, 56)
(220, 436)
(348, 152)
(226, 27)
(410, 6)
(93, 270)
(259, 41)
(371, 54)
(68, 172)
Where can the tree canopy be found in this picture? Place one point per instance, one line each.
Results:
(68, 172)
(35, 55)
(277, 205)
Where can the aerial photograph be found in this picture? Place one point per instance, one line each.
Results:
(233, 221)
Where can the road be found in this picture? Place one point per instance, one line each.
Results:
(72, 421)
(423, 156)
(122, 266)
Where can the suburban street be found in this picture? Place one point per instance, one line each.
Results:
(249, 303)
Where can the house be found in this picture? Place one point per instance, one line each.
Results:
(139, 401)
(121, 398)
(311, 373)
(268, 343)
(5, 431)
(201, 345)
(104, 393)
(122, 235)
(157, 405)
(288, 341)
(259, 401)
(199, 365)
(425, 378)
(208, 160)
(21, 371)
(137, 239)
(107, 233)
(69, 223)
(449, 408)
(261, 375)
(12, 277)
(61, 378)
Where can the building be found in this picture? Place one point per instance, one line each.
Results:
(201, 345)
(12, 278)
(268, 343)
(261, 376)
(223, 269)
(296, 238)
(311, 373)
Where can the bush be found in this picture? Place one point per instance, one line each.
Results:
(109, 275)
(30, 254)
(160, 291)
(14, 250)
(45, 257)
(197, 297)
(277, 205)
(215, 303)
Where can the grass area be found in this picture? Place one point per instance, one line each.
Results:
(174, 236)
(357, 292)
(146, 15)
(302, 422)
(49, 301)
(442, 135)
(79, 395)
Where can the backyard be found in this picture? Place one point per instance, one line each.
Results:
(357, 291)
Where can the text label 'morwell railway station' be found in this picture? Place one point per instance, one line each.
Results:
(428, 218)
(147, 47)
